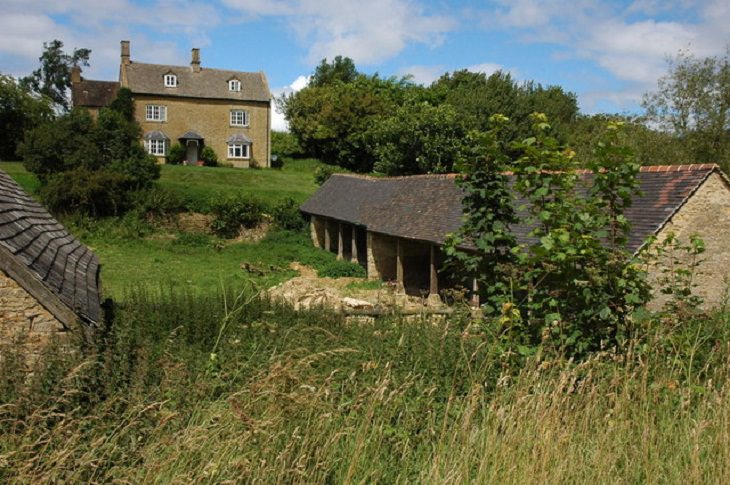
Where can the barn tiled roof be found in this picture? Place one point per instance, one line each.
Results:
(428, 207)
(145, 78)
(94, 94)
(63, 265)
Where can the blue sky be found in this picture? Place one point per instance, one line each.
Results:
(608, 52)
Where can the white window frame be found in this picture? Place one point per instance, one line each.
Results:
(234, 85)
(170, 81)
(157, 148)
(239, 150)
(239, 117)
(155, 112)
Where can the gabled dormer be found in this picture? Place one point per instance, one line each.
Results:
(170, 80)
(234, 85)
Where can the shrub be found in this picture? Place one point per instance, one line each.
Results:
(322, 174)
(233, 212)
(284, 144)
(286, 215)
(95, 193)
(176, 155)
(341, 269)
(209, 157)
(157, 201)
(90, 165)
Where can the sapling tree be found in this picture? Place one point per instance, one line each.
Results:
(571, 281)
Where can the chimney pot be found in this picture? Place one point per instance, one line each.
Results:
(75, 75)
(125, 52)
(195, 59)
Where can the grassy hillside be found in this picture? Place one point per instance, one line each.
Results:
(134, 252)
(295, 180)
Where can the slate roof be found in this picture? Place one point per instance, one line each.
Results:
(428, 207)
(66, 267)
(209, 83)
(155, 135)
(239, 138)
(94, 94)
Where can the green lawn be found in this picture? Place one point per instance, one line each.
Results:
(26, 180)
(200, 184)
(295, 180)
(133, 253)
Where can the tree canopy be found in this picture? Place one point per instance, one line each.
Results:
(53, 77)
(692, 102)
(20, 111)
(89, 165)
(390, 125)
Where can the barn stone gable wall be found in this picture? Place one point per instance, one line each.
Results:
(24, 321)
(706, 214)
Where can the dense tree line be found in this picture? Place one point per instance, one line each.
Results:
(394, 126)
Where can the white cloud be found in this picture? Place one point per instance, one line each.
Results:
(278, 123)
(487, 68)
(625, 41)
(368, 32)
(420, 74)
(25, 25)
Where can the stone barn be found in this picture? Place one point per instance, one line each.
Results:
(49, 281)
(395, 227)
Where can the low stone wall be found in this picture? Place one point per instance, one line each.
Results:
(24, 322)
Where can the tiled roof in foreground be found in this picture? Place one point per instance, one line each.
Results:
(428, 207)
(42, 249)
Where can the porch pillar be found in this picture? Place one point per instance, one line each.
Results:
(327, 236)
(353, 245)
(340, 242)
(475, 293)
(434, 279)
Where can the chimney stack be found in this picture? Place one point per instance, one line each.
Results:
(125, 52)
(75, 75)
(195, 60)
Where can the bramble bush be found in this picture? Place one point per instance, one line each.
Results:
(232, 212)
(286, 215)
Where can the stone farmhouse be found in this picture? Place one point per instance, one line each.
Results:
(395, 227)
(229, 111)
(49, 281)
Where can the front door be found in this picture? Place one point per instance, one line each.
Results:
(192, 152)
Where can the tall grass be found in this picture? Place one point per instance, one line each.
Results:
(232, 388)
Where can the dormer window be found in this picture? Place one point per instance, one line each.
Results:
(170, 81)
(234, 85)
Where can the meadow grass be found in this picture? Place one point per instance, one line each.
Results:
(232, 388)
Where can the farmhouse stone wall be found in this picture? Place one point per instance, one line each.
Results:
(210, 118)
(707, 214)
(24, 321)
